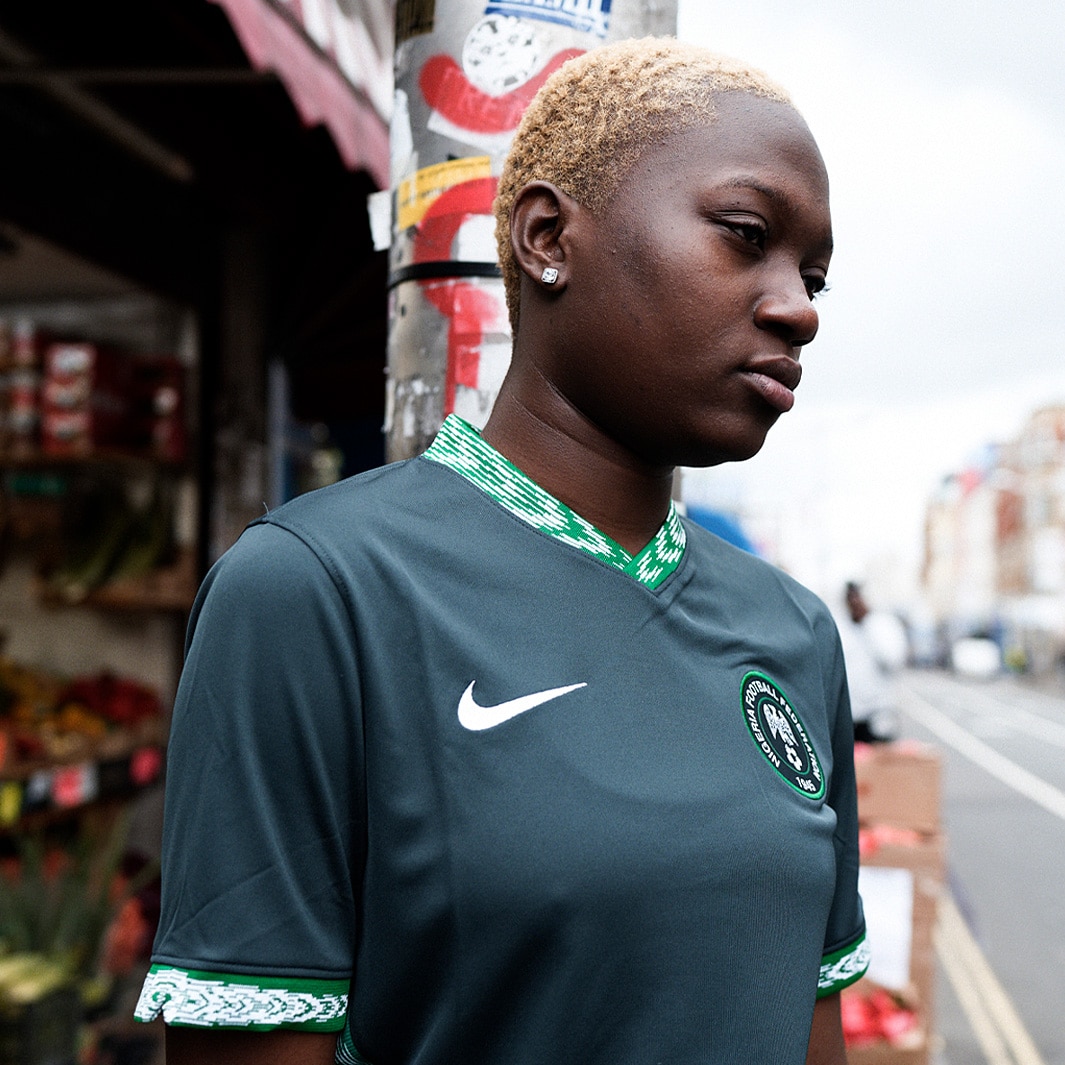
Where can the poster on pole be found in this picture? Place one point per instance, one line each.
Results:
(584, 16)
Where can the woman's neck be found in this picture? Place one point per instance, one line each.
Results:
(574, 460)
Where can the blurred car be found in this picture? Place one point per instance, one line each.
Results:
(976, 656)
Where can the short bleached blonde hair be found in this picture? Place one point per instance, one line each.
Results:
(599, 112)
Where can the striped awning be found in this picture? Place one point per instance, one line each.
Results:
(334, 61)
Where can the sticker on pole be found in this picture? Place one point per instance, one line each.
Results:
(501, 53)
(585, 16)
(416, 194)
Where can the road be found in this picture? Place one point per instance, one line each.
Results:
(1001, 939)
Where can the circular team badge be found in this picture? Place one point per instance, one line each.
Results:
(781, 736)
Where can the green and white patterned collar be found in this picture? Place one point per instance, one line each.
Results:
(460, 447)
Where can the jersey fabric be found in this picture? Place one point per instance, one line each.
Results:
(453, 774)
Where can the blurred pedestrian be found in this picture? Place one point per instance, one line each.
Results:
(875, 648)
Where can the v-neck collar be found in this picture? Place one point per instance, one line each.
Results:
(460, 447)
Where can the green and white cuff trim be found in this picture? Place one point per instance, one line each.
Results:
(843, 967)
(227, 1000)
(460, 447)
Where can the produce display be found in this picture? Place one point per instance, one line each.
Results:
(67, 741)
(873, 1014)
(109, 538)
(93, 530)
(40, 1010)
(74, 922)
(77, 907)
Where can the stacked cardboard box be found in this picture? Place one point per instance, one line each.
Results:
(71, 398)
(889, 1014)
(85, 399)
(21, 357)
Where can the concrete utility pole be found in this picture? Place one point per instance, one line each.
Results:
(465, 71)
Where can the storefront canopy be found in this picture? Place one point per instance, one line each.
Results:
(335, 63)
(142, 135)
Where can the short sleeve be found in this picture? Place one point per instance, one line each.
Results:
(846, 953)
(262, 838)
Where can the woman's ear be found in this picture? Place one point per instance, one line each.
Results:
(539, 222)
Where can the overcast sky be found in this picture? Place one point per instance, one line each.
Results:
(943, 128)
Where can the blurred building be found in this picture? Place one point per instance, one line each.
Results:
(960, 569)
(994, 559)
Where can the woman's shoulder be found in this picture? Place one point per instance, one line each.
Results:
(295, 540)
(362, 491)
(377, 502)
(752, 575)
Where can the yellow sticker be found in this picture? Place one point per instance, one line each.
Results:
(416, 194)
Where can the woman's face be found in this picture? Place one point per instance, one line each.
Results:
(691, 293)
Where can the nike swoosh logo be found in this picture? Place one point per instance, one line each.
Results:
(477, 718)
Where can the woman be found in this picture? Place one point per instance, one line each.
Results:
(488, 756)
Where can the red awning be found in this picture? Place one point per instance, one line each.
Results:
(273, 38)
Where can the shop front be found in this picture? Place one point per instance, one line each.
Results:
(192, 326)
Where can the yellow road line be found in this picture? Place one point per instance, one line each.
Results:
(993, 1017)
(986, 1035)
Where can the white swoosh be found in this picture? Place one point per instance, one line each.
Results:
(475, 718)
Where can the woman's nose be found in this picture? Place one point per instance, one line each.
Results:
(789, 312)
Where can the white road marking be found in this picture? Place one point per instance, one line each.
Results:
(994, 1019)
(987, 758)
(992, 1016)
(1035, 725)
(1006, 714)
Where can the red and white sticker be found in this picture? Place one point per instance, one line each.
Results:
(472, 309)
(449, 91)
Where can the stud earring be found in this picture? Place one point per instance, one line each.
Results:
(549, 276)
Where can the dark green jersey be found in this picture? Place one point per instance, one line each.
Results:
(453, 773)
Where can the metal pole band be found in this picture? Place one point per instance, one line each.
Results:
(435, 270)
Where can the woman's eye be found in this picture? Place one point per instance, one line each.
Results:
(752, 233)
(815, 286)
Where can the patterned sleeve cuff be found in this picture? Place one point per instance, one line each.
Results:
(198, 999)
(843, 967)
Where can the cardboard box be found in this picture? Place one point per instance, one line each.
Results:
(898, 785)
(901, 884)
(919, 1053)
(902, 874)
(901, 877)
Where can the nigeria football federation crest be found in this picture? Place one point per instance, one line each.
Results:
(780, 735)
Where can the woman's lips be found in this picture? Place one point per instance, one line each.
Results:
(775, 380)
